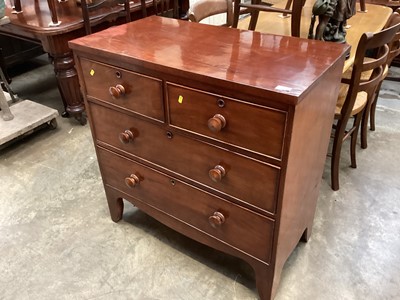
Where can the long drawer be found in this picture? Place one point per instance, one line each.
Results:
(256, 128)
(244, 178)
(213, 215)
(136, 92)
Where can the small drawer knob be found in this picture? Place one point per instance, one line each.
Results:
(216, 220)
(216, 123)
(117, 91)
(132, 181)
(217, 173)
(126, 137)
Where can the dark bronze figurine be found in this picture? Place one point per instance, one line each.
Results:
(332, 18)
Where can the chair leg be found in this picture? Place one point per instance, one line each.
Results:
(176, 9)
(143, 7)
(236, 11)
(364, 121)
(253, 20)
(353, 141)
(337, 147)
(254, 16)
(373, 108)
(372, 115)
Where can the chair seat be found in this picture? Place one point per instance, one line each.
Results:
(360, 103)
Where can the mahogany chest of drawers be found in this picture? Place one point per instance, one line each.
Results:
(218, 133)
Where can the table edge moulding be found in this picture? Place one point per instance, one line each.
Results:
(219, 133)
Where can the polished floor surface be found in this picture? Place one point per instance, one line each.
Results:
(57, 240)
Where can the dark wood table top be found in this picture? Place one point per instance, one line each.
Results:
(275, 64)
(35, 17)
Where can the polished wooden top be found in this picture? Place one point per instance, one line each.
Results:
(277, 64)
(371, 21)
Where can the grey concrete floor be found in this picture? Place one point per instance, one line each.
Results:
(57, 240)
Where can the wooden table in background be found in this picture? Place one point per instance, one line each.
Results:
(371, 21)
(33, 25)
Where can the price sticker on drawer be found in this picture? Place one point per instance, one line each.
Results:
(91, 72)
(180, 99)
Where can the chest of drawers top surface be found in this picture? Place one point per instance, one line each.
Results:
(275, 64)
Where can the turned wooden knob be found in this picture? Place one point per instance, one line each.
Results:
(217, 173)
(132, 181)
(216, 220)
(216, 123)
(126, 136)
(117, 91)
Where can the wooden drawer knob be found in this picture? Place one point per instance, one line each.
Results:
(217, 173)
(217, 219)
(117, 91)
(126, 137)
(132, 181)
(216, 123)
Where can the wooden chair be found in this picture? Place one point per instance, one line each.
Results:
(205, 8)
(394, 50)
(98, 12)
(256, 6)
(356, 93)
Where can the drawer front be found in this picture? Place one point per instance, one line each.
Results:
(241, 228)
(246, 179)
(136, 92)
(258, 129)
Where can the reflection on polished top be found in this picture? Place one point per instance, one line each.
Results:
(272, 63)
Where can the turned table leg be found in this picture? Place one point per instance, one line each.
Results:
(68, 84)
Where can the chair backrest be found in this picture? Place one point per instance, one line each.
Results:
(95, 12)
(394, 45)
(257, 5)
(371, 56)
(206, 8)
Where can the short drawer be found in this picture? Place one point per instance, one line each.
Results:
(235, 175)
(252, 127)
(133, 91)
(239, 227)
